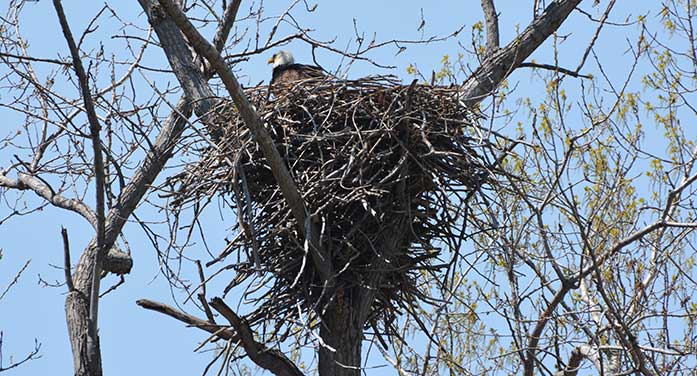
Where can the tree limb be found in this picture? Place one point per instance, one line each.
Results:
(492, 27)
(188, 319)
(66, 260)
(116, 261)
(270, 359)
(28, 182)
(183, 65)
(555, 68)
(500, 64)
(221, 34)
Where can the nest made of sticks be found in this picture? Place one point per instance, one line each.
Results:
(383, 169)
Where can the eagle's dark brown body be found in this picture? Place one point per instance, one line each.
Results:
(295, 72)
(286, 71)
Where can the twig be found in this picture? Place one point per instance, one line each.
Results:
(554, 68)
(202, 294)
(36, 59)
(31, 356)
(15, 279)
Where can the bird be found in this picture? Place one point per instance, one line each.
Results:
(286, 70)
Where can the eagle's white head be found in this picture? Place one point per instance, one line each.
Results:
(281, 58)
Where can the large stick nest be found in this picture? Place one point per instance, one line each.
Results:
(384, 170)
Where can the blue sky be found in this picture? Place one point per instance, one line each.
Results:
(135, 341)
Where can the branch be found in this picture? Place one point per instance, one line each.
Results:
(116, 261)
(15, 279)
(36, 59)
(570, 283)
(225, 25)
(76, 304)
(153, 163)
(577, 355)
(270, 359)
(66, 260)
(93, 348)
(188, 319)
(27, 182)
(492, 27)
(179, 56)
(31, 356)
(253, 121)
(554, 68)
(500, 64)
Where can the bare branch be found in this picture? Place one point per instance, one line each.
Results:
(578, 355)
(15, 279)
(554, 68)
(41, 188)
(182, 62)
(190, 320)
(33, 354)
(221, 34)
(36, 59)
(66, 260)
(270, 359)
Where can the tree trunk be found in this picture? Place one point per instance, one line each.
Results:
(77, 316)
(341, 330)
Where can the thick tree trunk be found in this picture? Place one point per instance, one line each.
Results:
(77, 316)
(342, 332)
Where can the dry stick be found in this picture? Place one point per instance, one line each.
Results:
(202, 294)
(93, 345)
(36, 59)
(602, 21)
(256, 125)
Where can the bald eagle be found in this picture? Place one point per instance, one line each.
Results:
(286, 70)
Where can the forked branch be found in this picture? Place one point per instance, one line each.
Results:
(270, 359)
(496, 67)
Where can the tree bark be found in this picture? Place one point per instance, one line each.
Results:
(341, 331)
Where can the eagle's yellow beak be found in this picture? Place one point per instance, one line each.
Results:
(272, 59)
